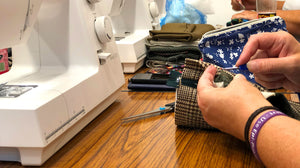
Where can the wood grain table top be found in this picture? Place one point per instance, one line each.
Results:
(153, 142)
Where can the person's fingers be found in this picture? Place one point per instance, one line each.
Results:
(237, 81)
(270, 81)
(264, 41)
(276, 81)
(270, 85)
(270, 77)
(207, 78)
(205, 84)
(235, 5)
(259, 54)
(278, 44)
(249, 15)
(271, 65)
(239, 77)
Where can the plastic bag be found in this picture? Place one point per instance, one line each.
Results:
(177, 11)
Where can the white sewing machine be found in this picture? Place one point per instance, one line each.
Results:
(132, 20)
(64, 65)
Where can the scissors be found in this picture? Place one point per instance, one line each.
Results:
(168, 108)
(2, 85)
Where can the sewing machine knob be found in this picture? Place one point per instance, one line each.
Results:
(103, 57)
(153, 9)
(104, 29)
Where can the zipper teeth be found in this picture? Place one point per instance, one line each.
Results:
(237, 26)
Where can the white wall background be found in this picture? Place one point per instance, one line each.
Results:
(222, 12)
(221, 9)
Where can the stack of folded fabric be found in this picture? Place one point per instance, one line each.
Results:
(170, 46)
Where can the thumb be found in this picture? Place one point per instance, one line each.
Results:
(207, 78)
(239, 78)
(269, 65)
(237, 81)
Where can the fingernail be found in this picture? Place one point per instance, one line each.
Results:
(251, 65)
(239, 76)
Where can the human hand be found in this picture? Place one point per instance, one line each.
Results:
(228, 109)
(274, 59)
(247, 14)
(249, 4)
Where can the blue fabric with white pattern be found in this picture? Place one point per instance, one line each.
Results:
(223, 47)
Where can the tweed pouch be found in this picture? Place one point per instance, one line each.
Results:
(223, 47)
(187, 112)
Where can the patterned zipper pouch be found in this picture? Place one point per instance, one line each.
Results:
(223, 47)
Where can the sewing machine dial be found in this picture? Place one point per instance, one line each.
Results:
(103, 27)
(93, 1)
(153, 8)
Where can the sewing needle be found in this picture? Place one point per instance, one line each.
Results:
(241, 67)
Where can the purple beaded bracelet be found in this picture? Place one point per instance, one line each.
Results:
(256, 128)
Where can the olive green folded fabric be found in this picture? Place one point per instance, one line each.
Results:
(180, 32)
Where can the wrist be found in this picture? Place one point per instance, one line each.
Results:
(257, 126)
(252, 118)
(254, 121)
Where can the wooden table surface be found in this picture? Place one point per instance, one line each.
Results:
(153, 142)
